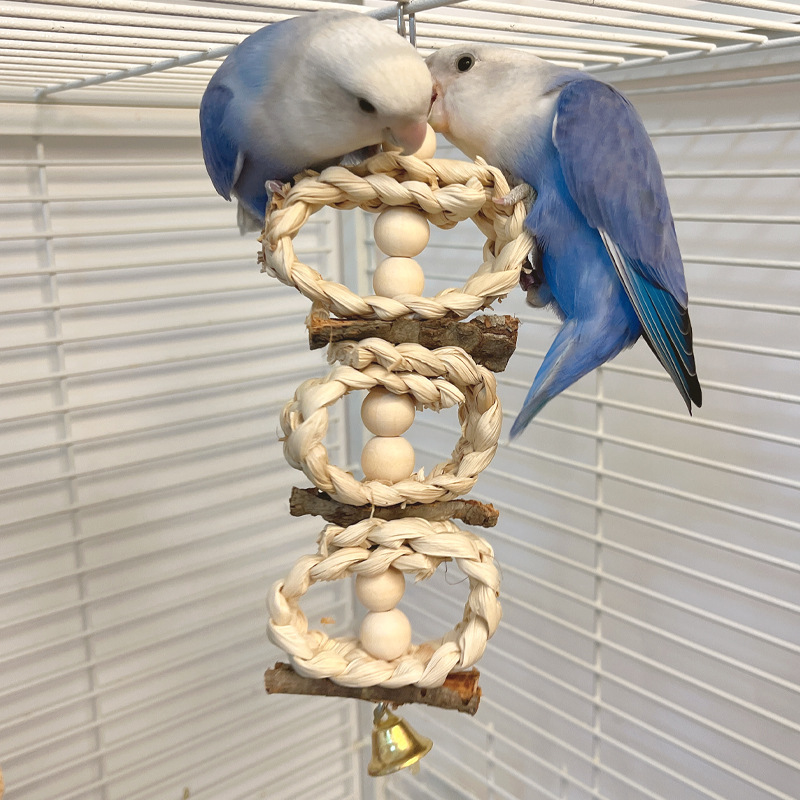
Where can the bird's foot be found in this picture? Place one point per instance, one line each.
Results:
(532, 280)
(537, 295)
(276, 188)
(521, 192)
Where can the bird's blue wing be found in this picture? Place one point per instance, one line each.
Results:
(220, 153)
(612, 172)
(665, 324)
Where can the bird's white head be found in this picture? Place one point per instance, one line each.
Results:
(483, 93)
(370, 83)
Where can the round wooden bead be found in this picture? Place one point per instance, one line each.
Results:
(381, 592)
(387, 458)
(396, 275)
(387, 414)
(385, 634)
(401, 232)
(428, 147)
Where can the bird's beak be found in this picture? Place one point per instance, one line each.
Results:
(437, 116)
(409, 136)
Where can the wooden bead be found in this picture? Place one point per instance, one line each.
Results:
(396, 275)
(428, 147)
(401, 232)
(387, 458)
(387, 414)
(381, 592)
(385, 634)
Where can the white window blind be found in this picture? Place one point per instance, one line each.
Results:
(650, 644)
(144, 491)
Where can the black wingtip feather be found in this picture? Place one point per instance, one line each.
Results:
(693, 387)
(686, 379)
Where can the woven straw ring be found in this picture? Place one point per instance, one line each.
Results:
(414, 546)
(446, 191)
(435, 379)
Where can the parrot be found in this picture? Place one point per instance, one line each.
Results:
(605, 258)
(303, 93)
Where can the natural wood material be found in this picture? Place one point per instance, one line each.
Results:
(489, 339)
(417, 548)
(460, 690)
(445, 191)
(318, 504)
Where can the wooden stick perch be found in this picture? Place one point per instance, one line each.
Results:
(318, 504)
(460, 690)
(489, 339)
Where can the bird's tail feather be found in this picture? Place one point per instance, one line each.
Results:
(247, 221)
(675, 350)
(579, 347)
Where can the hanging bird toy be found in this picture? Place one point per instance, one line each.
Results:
(399, 521)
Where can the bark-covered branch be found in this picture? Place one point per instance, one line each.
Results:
(318, 504)
(459, 692)
(489, 339)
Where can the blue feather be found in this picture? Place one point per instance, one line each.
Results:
(611, 267)
(665, 325)
(219, 151)
(302, 93)
(612, 173)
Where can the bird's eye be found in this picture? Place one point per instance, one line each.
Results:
(464, 63)
(366, 106)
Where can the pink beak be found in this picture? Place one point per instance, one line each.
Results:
(409, 136)
(437, 116)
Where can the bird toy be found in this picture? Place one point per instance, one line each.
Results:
(415, 534)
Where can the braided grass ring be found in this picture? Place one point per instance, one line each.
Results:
(415, 547)
(446, 191)
(435, 379)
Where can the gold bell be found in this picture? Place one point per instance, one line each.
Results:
(395, 744)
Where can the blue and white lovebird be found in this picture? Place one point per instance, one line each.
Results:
(303, 93)
(606, 257)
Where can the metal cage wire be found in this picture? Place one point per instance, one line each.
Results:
(56, 45)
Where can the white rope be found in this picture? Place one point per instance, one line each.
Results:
(447, 192)
(415, 547)
(435, 379)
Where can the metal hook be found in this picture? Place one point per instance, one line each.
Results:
(401, 23)
(401, 20)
